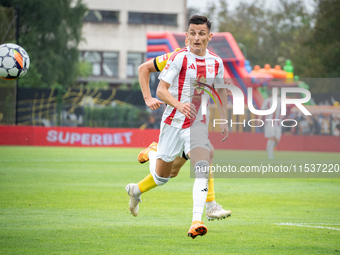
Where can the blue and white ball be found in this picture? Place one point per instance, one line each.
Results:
(14, 61)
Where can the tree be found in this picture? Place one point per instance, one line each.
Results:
(190, 12)
(50, 32)
(270, 36)
(7, 18)
(246, 24)
(290, 30)
(326, 37)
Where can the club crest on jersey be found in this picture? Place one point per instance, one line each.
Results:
(210, 69)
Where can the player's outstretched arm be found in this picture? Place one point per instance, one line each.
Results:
(144, 71)
(223, 112)
(188, 109)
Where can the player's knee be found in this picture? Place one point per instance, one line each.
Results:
(174, 173)
(202, 169)
(160, 180)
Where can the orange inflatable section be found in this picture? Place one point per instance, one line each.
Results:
(275, 72)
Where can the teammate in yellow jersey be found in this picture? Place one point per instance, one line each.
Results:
(213, 209)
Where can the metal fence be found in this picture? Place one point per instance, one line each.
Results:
(72, 107)
(123, 108)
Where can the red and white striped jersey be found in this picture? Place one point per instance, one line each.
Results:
(266, 105)
(181, 72)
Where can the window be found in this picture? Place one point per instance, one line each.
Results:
(133, 61)
(153, 18)
(94, 59)
(110, 64)
(96, 16)
(103, 63)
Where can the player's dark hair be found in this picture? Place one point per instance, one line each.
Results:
(198, 20)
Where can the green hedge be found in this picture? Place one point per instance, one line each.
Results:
(115, 116)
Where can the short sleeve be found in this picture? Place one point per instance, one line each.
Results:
(160, 61)
(172, 69)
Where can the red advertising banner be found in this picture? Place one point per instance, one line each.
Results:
(77, 136)
(130, 137)
(251, 141)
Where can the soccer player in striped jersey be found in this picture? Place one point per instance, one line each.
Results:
(184, 126)
(213, 209)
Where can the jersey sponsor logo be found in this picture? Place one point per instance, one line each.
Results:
(176, 120)
(200, 63)
(192, 66)
(210, 69)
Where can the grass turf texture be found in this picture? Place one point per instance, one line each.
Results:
(72, 201)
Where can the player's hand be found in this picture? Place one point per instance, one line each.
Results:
(188, 109)
(153, 103)
(224, 131)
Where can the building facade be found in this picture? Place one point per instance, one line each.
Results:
(114, 33)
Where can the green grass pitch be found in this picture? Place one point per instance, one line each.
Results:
(73, 201)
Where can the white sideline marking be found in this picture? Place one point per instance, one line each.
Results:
(66, 160)
(308, 225)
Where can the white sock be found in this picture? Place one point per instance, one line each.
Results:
(200, 192)
(270, 147)
(196, 216)
(152, 161)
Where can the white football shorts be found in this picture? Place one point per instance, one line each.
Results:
(270, 131)
(174, 141)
